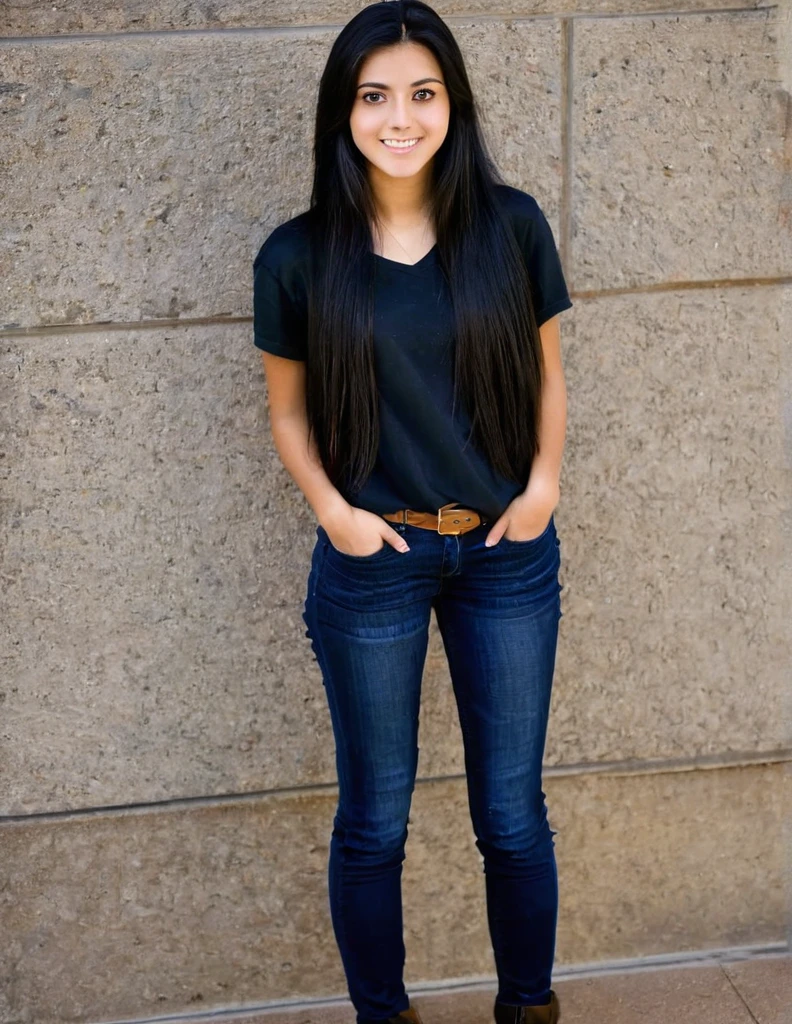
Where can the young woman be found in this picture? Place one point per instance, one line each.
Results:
(409, 328)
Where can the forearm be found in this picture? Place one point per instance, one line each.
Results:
(302, 462)
(546, 467)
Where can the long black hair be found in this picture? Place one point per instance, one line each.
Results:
(498, 355)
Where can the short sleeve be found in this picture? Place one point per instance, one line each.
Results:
(549, 289)
(279, 325)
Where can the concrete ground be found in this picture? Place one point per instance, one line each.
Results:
(752, 991)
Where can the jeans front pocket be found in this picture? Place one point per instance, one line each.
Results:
(343, 555)
(546, 532)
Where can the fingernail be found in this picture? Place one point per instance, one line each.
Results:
(405, 547)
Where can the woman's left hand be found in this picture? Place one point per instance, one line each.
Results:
(526, 516)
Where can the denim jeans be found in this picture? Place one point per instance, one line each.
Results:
(368, 618)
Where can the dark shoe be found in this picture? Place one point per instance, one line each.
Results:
(406, 1017)
(548, 1014)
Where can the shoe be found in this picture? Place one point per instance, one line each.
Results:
(406, 1017)
(550, 1013)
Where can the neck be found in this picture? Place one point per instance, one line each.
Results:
(400, 201)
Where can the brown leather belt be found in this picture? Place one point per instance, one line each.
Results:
(451, 518)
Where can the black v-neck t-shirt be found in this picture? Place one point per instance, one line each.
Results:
(420, 463)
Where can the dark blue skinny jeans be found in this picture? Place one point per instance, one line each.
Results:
(368, 617)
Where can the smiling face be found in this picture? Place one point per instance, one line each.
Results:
(401, 111)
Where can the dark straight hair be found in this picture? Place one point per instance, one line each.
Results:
(498, 356)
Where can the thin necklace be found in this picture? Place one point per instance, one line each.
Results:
(397, 240)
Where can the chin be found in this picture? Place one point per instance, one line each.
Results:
(402, 172)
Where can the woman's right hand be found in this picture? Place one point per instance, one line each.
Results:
(360, 532)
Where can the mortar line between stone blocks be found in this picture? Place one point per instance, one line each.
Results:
(451, 19)
(567, 149)
(257, 30)
(711, 762)
(59, 330)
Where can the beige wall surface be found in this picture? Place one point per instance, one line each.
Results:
(167, 776)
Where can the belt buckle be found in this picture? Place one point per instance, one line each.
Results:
(448, 510)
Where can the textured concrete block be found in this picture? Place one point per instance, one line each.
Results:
(119, 915)
(31, 19)
(676, 635)
(161, 164)
(154, 558)
(678, 135)
(516, 74)
(137, 914)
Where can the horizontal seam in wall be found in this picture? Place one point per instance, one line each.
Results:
(45, 330)
(451, 19)
(703, 762)
(667, 766)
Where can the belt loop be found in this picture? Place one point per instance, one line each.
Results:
(404, 517)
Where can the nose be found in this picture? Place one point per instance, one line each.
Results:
(400, 115)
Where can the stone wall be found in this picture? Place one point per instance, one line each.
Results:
(166, 756)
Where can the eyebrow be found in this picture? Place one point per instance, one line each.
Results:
(381, 85)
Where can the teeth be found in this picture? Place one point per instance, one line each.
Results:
(396, 144)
